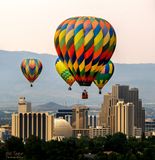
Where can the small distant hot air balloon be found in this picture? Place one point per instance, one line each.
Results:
(84, 45)
(64, 72)
(104, 75)
(31, 69)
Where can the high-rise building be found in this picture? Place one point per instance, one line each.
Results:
(80, 117)
(143, 119)
(32, 123)
(105, 110)
(80, 121)
(134, 98)
(23, 106)
(124, 118)
(119, 93)
(122, 92)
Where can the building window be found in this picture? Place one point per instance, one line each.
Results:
(25, 126)
(21, 125)
(34, 124)
(30, 124)
(44, 126)
(39, 125)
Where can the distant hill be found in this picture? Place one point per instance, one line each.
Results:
(50, 87)
(51, 106)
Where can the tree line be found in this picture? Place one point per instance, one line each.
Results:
(111, 147)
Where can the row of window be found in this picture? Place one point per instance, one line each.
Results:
(27, 130)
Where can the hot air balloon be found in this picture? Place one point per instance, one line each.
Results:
(85, 44)
(104, 75)
(64, 72)
(31, 69)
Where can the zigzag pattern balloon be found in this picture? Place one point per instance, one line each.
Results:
(31, 69)
(85, 44)
(104, 76)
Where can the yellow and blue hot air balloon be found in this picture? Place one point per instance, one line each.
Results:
(104, 75)
(64, 73)
(31, 69)
(85, 44)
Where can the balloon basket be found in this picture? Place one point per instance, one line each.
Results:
(84, 95)
(31, 85)
(69, 88)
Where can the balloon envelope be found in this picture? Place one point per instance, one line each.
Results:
(64, 72)
(104, 75)
(31, 69)
(85, 44)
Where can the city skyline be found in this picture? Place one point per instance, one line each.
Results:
(33, 24)
(57, 97)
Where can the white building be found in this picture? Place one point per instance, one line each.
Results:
(23, 105)
(99, 131)
(124, 118)
(39, 124)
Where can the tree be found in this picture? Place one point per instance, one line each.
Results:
(97, 144)
(2, 151)
(14, 144)
(133, 145)
(117, 143)
(34, 149)
(130, 156)
(149, 153)
(113, 156)
(143, 136)
(101, 156)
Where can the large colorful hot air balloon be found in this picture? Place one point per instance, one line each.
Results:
(85, 44)
(64, 72)
(104, 76)
(31, 69)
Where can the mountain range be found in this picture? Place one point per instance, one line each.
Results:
(49, 87)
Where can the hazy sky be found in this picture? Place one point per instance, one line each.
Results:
(30, 25)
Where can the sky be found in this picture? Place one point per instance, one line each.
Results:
(30, 25)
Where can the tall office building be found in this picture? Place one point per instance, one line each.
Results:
(80, 117)
(143, 119)
(32, 123)
(23, 106)
(124, 118)
(122, 92)
(105, 110)
(134, 98)
(80, 121)
(106, 115)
